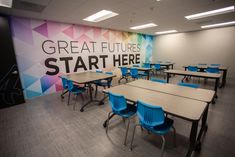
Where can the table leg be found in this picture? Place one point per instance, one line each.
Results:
(224, 78)
(216, 87)
(148, 73)
(193, 137)
(167, 77)
(91, 98)
(203, 129)
(105, 122)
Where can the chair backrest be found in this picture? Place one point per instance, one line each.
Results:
(98, 71)
(212, 69)
(188, 85)
(134, 72)
(146, 65)
(70, 85)
(135, 65)
(157, 66)
(150, 115)
(124, 71)
(64, 83)
(117, 102)
(192, 68)
(215, 65)
(158, 80)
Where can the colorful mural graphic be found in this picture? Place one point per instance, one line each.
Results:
(46, 49)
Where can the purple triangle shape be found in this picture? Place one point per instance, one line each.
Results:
(42, 29)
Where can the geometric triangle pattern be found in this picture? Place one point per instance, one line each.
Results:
(28, 80)
(42, 29)
(29, 35)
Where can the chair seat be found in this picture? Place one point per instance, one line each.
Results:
(77, 90)
(128, 112)
(163, 128)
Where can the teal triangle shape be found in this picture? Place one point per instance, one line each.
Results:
(28, 80)
(31, 94)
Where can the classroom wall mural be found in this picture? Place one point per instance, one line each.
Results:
(46, 49)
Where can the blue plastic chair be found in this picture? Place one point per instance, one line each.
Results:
(158, 80)
(152, 118)
(146, 65)
(188, 85)
(121, 108)
(212, 70)
(134, 73)
(125, 74)
(65, 87)
(75, 90)
(103, 83)
(192, 68)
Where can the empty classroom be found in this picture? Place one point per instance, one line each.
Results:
(117, 78)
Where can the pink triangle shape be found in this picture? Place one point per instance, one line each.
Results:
(69, 31)
(42, 29)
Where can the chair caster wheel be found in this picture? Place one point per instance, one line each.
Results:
(105, 124)
(62, 97)
(206, 128)
(81, 110)
(101, 103)
(198, 147)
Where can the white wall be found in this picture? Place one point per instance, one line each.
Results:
(207, 46)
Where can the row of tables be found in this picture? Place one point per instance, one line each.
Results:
(183, 102)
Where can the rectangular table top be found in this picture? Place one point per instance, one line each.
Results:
(196, 74)
(206, 66)
(185, 108)
(204, 95)
(86, 77)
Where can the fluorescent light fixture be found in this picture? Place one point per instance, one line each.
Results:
(166, 32)
(6, 3)
(144, 26)
(100, 16)
(219, 24)
(210, 13)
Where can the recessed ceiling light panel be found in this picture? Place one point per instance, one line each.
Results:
(210, 13)
(6, 3)
(148, 25)
(100, 16)
(219, 24)
(166, 32)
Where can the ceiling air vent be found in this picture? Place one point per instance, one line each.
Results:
(28, 6)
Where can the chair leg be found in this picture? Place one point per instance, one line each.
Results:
(69, 98)
(133, 135)
(82, 97)
(174, 131)
(163, 145)
(75, 102)
(107, 122)
(127, 129)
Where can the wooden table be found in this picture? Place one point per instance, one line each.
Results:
(188, 109)
(88, 78)
(224, 69)
(200, 94)
(195, 74)
(147, 70)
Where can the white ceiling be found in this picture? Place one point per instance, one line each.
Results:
(167, 14)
